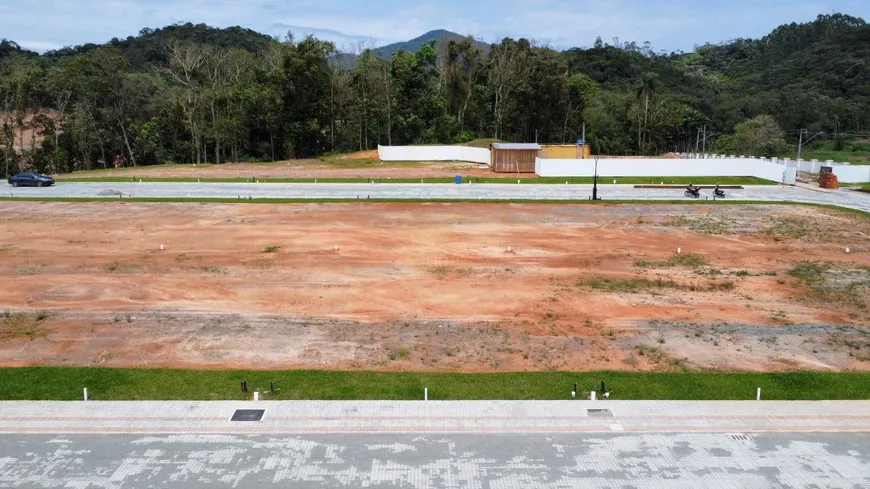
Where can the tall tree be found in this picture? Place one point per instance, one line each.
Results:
(508, 69)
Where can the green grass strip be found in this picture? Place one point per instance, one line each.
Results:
(227, 200)
(61, 383)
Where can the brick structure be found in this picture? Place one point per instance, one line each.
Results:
(829, 181)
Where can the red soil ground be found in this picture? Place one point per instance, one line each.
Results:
(428, 286)
(348, 166)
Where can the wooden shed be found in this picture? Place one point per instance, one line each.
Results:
(514, 157)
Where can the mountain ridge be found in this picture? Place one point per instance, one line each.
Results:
(413, 45)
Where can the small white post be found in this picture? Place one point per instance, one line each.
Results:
(425, 393)
(679, 251)
(86, 393)
(848, 251)
(592, 396)
(256, 396)
(758, 395)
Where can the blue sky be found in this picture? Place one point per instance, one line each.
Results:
(667, 24)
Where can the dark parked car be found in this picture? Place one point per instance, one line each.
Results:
(30, 180)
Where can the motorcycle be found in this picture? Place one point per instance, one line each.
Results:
(719, 194)
(695, 194)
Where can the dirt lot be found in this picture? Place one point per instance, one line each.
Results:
(434, 286)
(341, 167)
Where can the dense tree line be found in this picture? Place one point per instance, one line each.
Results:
(191, 93)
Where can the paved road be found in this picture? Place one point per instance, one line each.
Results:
(845, 198)
(477, 444)
(618, 461)
(295, 417)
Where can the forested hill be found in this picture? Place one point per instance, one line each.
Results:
(147, 51)
(191, 93)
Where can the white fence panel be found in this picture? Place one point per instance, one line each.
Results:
(852, 173)
(651, 167)
(434, 153)
(474, 155)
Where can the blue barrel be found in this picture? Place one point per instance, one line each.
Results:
(458, 179)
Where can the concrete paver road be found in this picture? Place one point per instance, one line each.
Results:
(449, 444)
(844, 198)
(424, 461)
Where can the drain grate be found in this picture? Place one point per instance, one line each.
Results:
(739, 437)
(605, 413)
(248, 415)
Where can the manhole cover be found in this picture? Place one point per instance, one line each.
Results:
(248, 415)
(599, 412)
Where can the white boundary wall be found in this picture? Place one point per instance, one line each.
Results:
(777, 170)
(651, 167)
(852, 174)
(434, 153)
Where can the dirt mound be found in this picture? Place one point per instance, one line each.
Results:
(361, 155)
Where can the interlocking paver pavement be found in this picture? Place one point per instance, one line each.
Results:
(450, 444)
(498, 461)
(434, 417)
(845, 198)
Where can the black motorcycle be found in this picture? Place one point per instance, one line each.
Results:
(694, 193)
(719, 194)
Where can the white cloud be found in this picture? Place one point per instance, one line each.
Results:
(667, 24)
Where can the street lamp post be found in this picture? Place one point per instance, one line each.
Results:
(595, 181)
(801, 141)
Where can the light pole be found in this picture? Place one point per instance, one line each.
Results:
(801, 141)
(7, 135)
(595, 181)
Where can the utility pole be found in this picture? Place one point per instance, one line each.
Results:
(6, 135)
(801, 143)
(705, 138)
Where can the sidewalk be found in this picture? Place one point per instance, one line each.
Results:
(298, 417)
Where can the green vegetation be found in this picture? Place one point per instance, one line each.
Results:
(51, 383)
(272, 249)
(831, 283)
(506, 181)
(790, 227)
(430, 201)
(856, 152)
(247, 97)
(809, 272)
(679, 260)
(638, 285)
(17, 325)
(631, 285)
(399, 354)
